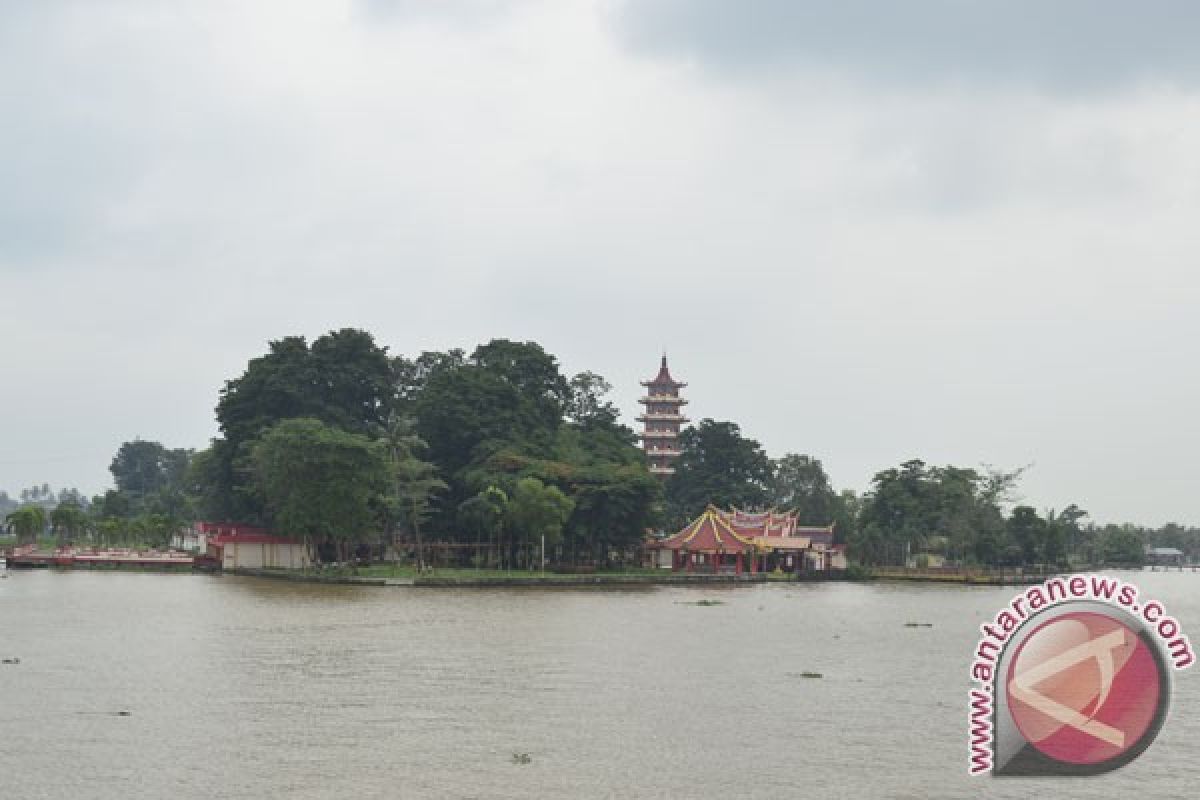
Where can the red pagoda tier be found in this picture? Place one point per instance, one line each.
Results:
(661, 421)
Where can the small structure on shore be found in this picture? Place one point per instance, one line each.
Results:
(738, 541)
(193, 539)
(244, 546)
(1164, 557)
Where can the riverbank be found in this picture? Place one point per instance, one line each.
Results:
(974, 577)
(494, 578)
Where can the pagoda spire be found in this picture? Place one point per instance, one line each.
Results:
(662, 419)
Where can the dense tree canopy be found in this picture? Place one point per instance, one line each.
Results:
(720, 466)
(141, 468)
(343, 380)
(536, 514)
(319, 482)
(959, 514)
(486, 423)
(799, 483)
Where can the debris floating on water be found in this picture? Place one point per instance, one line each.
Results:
(11, 661)
(918, 624)
(521, 758)
(807, 674)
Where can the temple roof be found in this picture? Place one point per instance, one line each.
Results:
(775, 523)
(739, 531)
(709, 533)
(663, 378)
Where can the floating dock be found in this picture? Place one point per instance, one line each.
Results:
(104, 559)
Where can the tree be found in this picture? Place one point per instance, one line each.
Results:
(916, 507)
(111, 530)
(459, 410)
(1054, 547)
(414, 481)
(510, 395)
(319, 482)
(1121, 545)
(27, 523)
(533, 373)
(897, 513)
(719, 466)
(799, 483)
(141, 468)
(150, 479)
(586, 406)
(846, 512)
(410, 376)
(343, 380)
(1028, 531)
(1075, 540)
(482, 515)
(69, 521)
(537, 513)
(614, 507)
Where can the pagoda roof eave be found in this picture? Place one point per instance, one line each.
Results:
(663, 378)
(708, 533)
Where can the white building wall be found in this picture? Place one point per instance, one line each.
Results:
(260, 555)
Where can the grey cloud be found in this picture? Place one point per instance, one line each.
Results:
(1058, 45)
(466, 14)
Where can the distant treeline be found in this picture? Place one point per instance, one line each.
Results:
(487, 455)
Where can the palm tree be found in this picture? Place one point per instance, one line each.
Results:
(68, 521)
(27, 523)
(414, 481)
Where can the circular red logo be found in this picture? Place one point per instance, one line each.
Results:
(1085, 688)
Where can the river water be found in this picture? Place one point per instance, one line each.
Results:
(247, 688)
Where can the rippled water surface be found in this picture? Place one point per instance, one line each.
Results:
(245, 688)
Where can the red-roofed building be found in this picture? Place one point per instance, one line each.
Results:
(246, 546)
(708, 544)
(740, 541)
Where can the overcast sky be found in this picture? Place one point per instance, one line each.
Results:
(959, 231)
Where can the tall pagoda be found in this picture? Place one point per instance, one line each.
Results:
(662, 420)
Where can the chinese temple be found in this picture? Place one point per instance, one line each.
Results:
(736, 541)
(661, 420)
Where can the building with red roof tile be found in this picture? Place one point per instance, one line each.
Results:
(236, 546)
(739, 541)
